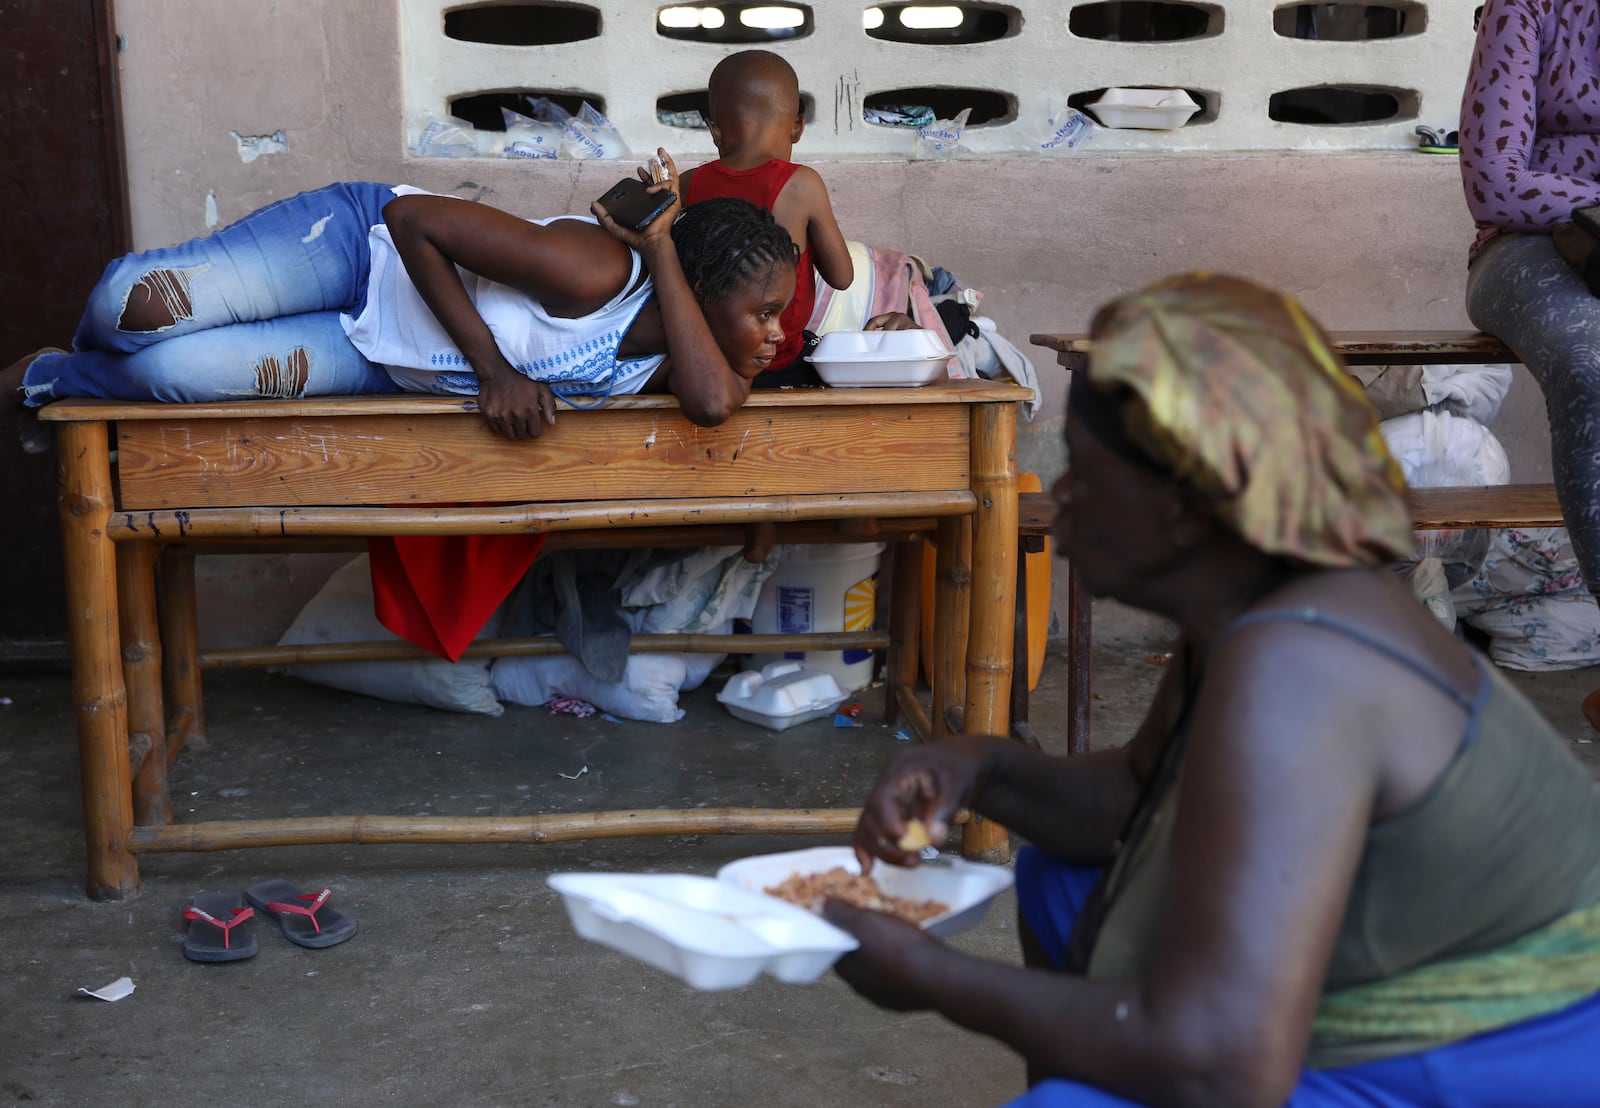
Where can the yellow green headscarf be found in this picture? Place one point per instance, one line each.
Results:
(1236, 390)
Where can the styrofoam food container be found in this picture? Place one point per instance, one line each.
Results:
(781, 694)
(1149, 109)
(967, 887)
(881, 359)
(706, 932)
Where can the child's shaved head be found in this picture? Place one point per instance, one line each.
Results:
(754, 81)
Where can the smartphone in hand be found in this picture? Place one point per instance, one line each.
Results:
(630, 205)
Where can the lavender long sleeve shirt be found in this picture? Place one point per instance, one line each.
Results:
(1530, 116)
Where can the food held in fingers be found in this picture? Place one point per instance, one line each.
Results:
(916, 836)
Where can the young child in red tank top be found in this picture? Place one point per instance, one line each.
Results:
(755, 122)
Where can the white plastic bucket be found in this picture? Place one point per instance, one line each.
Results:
(824, 587)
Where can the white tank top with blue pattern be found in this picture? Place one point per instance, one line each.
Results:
(576, 357)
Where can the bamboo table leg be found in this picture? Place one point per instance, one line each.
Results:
(141, 673)
(905, 637)
(1022, 671)
(994, 585)
(180, 655)
(952, 609)
(97, 689)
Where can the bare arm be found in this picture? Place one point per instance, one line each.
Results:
(1499, 129)
(1278, 791)
(828, 250)
(570, 267)
(707, 388)
(1071, 807)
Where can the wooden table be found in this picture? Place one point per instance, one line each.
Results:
(309, 469)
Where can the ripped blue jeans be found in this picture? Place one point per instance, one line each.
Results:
(251, 311)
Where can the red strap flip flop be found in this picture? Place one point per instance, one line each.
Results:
(213, 918)
(304, 917)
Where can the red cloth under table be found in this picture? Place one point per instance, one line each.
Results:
(439, 590)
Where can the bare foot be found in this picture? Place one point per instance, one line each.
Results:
(1591, 709)
(36, 437)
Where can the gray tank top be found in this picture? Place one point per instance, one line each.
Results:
(1505, 841)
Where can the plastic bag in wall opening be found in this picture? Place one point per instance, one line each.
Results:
(943, 138)
(589, 134)
(542, 109)
(528, 138)
(1064, 129)
(446, 138)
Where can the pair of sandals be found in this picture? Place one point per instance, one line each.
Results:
(1430, 141)
(219, 928)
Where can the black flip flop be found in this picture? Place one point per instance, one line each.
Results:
(303, 916)
(215, 934)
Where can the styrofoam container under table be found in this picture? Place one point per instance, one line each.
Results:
(880, 359)
(781, 694)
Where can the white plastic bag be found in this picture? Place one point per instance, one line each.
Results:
(1475, 391)
(342, 612)
(648, 690)
(529, 138)
(589, 134)
(446, 138)
(943, 137)
(1064, 129)
(1437, 449)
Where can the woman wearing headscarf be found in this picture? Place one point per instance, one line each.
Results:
(1342, 861)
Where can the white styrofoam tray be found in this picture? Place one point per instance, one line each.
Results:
(781, 694)
(880, 359)
(706, 932)
(967, 887)
(1149, 109)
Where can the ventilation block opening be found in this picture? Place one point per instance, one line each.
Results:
(916, 105)
(482, 110)
(941, 24)
(523, 24)
(747, 24)
(1333, 105)
(1349, 22)
(1145, 21)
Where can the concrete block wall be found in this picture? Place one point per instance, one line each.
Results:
(1238, 62)
(1369, 237)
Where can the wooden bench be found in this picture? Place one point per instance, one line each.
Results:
(1494, 506)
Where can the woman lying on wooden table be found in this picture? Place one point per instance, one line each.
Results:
(1342, 861)
(362, 288)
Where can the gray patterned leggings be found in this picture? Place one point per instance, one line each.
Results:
(1520, 290)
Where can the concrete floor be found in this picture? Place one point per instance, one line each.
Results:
(466, 985)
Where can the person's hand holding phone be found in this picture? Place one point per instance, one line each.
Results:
(633, 211)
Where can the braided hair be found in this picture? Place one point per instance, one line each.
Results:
(723, 242)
